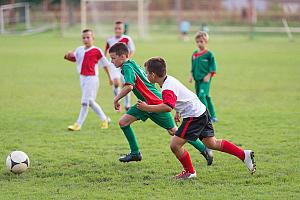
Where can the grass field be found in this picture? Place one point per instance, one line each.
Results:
(256, 93)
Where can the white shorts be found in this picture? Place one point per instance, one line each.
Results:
(89, 88)
(115, 73)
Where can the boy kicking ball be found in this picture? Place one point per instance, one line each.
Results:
(87, 58)
(196, 120)
(136, 81)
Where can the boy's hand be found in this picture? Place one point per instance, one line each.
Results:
(70, 56)
(142, 105)
(207, 78)
(177, 118)
(110, 81)
(191, 78)
(117, 104)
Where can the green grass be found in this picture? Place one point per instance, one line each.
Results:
(256, 94)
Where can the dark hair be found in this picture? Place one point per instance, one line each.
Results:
(118, 22)
(120, 49)
(156, 65)
(87, 30)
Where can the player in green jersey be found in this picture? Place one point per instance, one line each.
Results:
(137, 82)
(203, 69)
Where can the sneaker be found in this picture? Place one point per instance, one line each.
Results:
(131, 157)
(249, 161)
(186, 175)
(74, 127)
(105, 123)
(208, 155)
(214, 119)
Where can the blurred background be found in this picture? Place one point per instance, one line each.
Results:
(145, 18)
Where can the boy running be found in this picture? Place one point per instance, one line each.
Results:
(87, 58)
(196, 120)
(136, 81)
(115, 72)
(203, 69)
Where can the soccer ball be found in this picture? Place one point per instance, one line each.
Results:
(17, 162)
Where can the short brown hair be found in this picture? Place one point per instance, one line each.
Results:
(120, 49)
(157, 65)
(87, 30)
(202, 34)
(118, 22)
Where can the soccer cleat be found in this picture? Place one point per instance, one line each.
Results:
(214, 119)
(249, 161)
(105, 123)
(186, 175)
(131, 157)
(208, 155)
(74, 127)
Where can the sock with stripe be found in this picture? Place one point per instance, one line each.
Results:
(232, 149)
(186, 162)
(128, 132)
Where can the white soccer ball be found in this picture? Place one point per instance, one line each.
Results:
(17, 162)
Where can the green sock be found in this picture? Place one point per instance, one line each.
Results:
(210, 107)
(198, 145)
(134, 147)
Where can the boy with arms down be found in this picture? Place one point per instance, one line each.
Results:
(115, 72)
(87, 58)
(136, 81)
(196, 120)
(203, 69)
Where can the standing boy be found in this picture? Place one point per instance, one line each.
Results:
(196, 120)
(87, 58)
(203, 69)
(114, 71)
(136, 81)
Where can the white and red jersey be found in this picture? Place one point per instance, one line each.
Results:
(87, 60)
(177, 96)
(124, 39)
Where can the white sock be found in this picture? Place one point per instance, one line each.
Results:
(83, 113)
(127, 100)
(116, 90)
(98, 110)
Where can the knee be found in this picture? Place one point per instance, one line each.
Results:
(84, 104)
(173, 130)
(210, 143)
(123, 123)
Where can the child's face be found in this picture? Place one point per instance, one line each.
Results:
(117, 60)
(151, 76)
(201, 43)
(87, 39)
(119, 30)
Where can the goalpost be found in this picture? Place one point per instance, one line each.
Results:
(19, 15)
(142, 14)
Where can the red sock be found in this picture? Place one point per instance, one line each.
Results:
(232, 149)
(186, 162)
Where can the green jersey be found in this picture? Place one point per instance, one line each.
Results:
(144, 90)
(202, 64)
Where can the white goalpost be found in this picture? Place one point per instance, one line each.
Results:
(21, 15)
(142, 14)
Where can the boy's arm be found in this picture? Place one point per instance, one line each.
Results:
(153, 108)
(106, 69)
(125, 90)
(70, 56)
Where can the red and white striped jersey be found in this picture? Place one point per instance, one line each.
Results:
(177, 96)
(124, 39)
(87, 60)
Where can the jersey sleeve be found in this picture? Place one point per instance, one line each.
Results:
(131, 45)
(129, 75)
(169, 98)
(102, 59)
(212, 65)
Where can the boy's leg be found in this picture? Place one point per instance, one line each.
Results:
(83, 114)
(98, 110)
(127, 100)
(183, 156)
(126, 120)
(210, 107)
(202, 92)
(205, 152)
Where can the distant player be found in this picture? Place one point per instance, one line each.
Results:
(114, 71)
(203, 69)
(136, 81)
(87, 58)
(196, 120)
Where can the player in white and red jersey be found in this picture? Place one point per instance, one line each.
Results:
(115, 72)
(87, 59)
(196, 120)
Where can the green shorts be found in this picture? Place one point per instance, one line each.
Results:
(164, 120)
